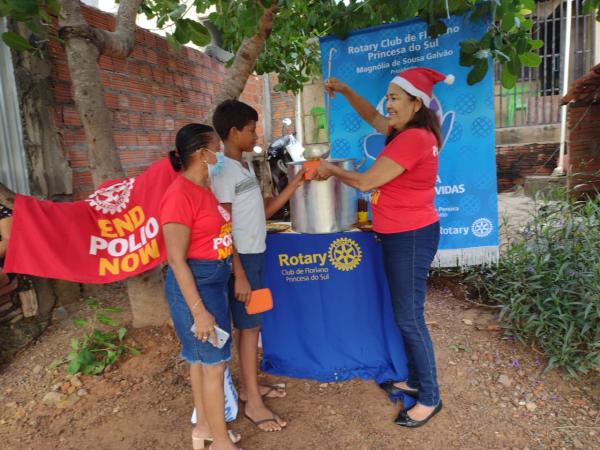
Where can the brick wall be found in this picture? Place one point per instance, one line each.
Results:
(514, 162)
(583, 124)
(151, 94)
(283, 104)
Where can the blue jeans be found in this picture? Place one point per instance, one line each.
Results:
(407, 259)
(211, 277)
(254, 265)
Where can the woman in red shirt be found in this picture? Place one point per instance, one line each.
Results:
(404, 217)
(197, 232)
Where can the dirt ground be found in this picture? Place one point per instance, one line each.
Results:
(496, 396)
(495, 391)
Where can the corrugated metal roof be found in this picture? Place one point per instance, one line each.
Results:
(13, 165)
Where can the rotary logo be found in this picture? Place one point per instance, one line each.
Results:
(112, 199)
(344, 254)
(482, 227)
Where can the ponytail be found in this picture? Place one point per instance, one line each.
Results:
(175, 160)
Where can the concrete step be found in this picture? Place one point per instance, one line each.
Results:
(544, 184)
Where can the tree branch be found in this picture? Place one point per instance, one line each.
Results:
(246, 57)
(120, 42)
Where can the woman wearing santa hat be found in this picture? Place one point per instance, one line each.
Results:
(402, 181)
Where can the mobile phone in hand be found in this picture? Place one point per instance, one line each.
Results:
(222, 336)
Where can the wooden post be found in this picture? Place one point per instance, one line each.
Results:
(29, 303)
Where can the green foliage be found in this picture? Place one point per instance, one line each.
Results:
(35, 14)
(292, 49)
(100, 345)
(547, 283)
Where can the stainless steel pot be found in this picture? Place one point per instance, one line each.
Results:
(323, 206)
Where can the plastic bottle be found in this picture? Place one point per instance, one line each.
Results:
(362, 212)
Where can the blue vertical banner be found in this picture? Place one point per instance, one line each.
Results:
(466, 191)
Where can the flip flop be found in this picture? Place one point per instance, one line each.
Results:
(275, 387)
(260, 422)
(280, 387)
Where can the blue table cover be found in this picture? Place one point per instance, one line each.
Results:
(332, 318)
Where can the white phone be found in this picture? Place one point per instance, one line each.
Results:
(222, 336)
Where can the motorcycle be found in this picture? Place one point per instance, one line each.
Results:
(283, 150)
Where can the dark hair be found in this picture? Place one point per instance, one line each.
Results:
(189, 138)
(232, 113)
(423, 118)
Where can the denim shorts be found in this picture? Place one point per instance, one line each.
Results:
(253, 264)
(211, 278)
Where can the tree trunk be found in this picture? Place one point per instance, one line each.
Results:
(83, 47)
(245, 60)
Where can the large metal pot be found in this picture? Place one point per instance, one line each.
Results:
(323, 206)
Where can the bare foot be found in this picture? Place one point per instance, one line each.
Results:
(404, 385)
(264, 418)
(420, 412)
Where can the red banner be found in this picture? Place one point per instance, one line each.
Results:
(112, 235)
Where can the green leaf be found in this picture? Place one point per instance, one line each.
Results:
(54, 364)
(113, 309)
(514, 65)
(173, 42)
(122, 332)
(107, 320)
(99, 336)
(111, 357)
(507, 79)
(530, 59)
(466, 60)
(199, 34)
(182, 32)
(478, 72)
(535, 44)
(469, 46)
(53, 6)
(437, 29)
(16, 41)
(29, 7)
(86, 357)
(529, 4)
(134, 351)
(527, 24)
(92, 303)
(80, 323)
(177, 12)
(75, 343)
(508, 22)
(74, 366)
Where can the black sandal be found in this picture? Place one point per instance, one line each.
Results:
(404, 420)
(392, 389)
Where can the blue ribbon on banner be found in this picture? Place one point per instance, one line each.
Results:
(466, 192)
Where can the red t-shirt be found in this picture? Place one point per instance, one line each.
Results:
(197, 208)
(406, 202)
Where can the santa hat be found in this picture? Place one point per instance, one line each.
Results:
(419, 82)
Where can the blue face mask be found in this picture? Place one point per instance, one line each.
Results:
(216, 168)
